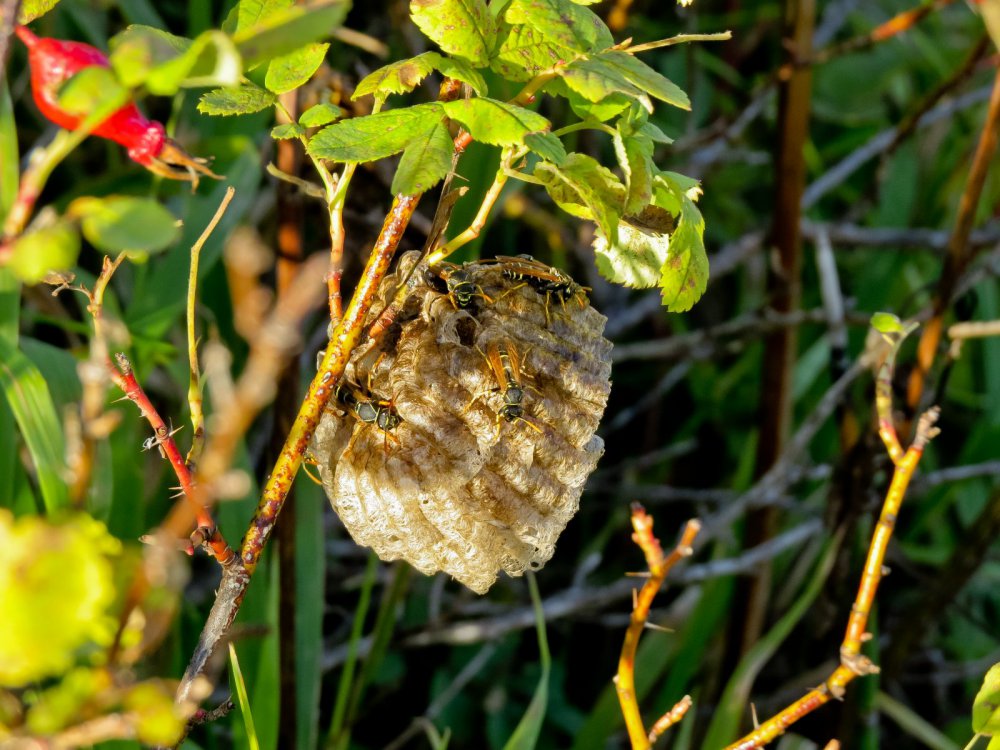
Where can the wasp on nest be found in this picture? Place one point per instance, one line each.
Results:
(496, 375)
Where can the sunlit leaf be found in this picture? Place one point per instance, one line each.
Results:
(595, 80)
(238, 100)
(157, 719)
(562, 22)
(684, 277)
(290, 71)
(398, 77)
(459, 27)
(986, 706)
(32, 9)
(547, 146)
(460, 70)
(425, 162)
(287, 130)
(884, 322)
(56, 583)
(320, 114)
(377, 136)
(642, 76)
(495, 122)
(288, 29)
(637, 259)
(583, 187)
(635, 157)
(163, 62)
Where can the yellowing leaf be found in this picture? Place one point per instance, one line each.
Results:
(986, 706)
(56, 584)
(460, 27)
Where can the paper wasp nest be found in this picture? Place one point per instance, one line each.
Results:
(462, 443)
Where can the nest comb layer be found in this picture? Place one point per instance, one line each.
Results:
(454, 486)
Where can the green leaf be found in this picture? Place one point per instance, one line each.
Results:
(244, 701)
(526, 51)
(287, 29)
(9, 168)
(32, 9)
(986, 706)
(30, 400)
(287, 130)
(642, 249)
(635, 157)
(459, 27)
(121, 223)
(525, 736)
(288, 72)
(495, 122)
(602, 110)
(89, 89)
(398, 77)
(595, 80)
(37, 253)
(163, 62)
(460, 70)
(684, 277)
(547, 146)
(320, 114)
(652, 132)
(563, 23)
(238, 100)
(884, 322)
(425, 161)
(377, 136)
(639, 74)
(584, 188)
(994, 743)
(249, 13)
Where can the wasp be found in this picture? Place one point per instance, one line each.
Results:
(544, 279)
(457, 284)
(506, 365)
(374, 411)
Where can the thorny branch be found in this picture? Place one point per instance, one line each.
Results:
(852, 663)
(345, 337)
(659, 565)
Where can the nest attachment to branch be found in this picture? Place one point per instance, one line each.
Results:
(462, 440)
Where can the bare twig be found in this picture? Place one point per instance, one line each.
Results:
(659, 566)
(852, 663)
(959, 255)
(345, 337)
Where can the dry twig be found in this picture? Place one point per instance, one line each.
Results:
(659, 565)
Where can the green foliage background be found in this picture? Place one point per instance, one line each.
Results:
(681, 428)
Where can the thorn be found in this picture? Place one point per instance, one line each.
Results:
(660, 628)
(635, 598)
(753, 713)
(639, 574)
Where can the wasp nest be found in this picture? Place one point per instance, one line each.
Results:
(462, 443)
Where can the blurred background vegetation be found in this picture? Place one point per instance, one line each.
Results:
(682, 429)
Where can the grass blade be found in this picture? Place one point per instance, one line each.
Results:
(913, 724)
(525, 736)
(334, 738)
(30, 401)
(241, 694)
(726, 721)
